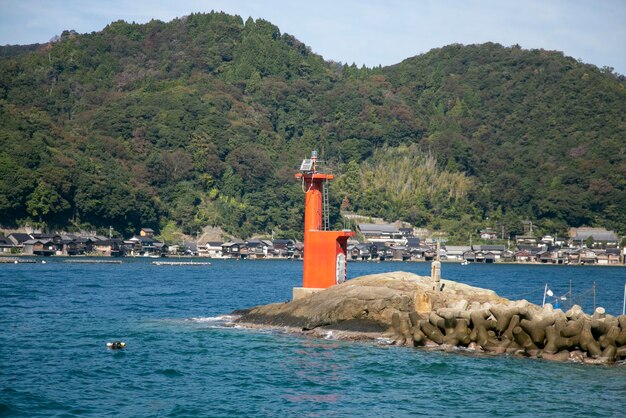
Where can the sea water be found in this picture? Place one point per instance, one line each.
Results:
(180, 359)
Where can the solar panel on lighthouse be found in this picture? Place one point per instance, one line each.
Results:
(307, 165)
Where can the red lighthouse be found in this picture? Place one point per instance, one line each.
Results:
(324, 250)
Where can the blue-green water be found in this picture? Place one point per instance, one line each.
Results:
(56, 318)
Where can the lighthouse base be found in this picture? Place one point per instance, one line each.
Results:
(324, 258)
(302, 292)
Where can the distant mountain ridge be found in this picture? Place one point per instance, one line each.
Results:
(202, 121)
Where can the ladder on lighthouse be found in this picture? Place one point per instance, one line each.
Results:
(325, 215)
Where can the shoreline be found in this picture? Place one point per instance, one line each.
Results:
(187, 257)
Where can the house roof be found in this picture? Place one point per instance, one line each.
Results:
(283, 241)
(20, 237)
(258, 242)
(231, 243)
(91, 239)
(36, 240)
(143, 240)
(457, 248)
(492, 247)
(378, 228)
(147, 229)
(598, 235)
(45, 236)
(588, 255)
(412, 242)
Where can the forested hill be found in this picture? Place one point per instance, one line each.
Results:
(203, 120)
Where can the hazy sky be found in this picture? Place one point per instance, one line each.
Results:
(364, 32)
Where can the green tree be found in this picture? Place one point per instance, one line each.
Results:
(45, 202)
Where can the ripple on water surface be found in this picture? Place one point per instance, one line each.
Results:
(182, 359)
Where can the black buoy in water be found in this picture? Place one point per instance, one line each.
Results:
(116, 345)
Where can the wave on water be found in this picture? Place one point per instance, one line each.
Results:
(213, 319)
(220, 321)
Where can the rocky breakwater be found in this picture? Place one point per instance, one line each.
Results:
(407, 310)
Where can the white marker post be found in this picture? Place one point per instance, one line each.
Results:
(548, 292)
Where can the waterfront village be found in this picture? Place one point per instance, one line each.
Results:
(378, 242)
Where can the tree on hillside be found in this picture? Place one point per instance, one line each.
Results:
(44, 203)
(204, 119)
